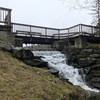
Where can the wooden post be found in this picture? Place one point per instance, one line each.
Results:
(45, 32)
(92, 28)
(0, 15)
(9, 17)
(58, 33)
(30, 30)
(69, 47)
(68, 40)
(80, 29)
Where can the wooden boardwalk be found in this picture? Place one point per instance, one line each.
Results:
(45, 35)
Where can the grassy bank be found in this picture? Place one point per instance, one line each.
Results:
(19, 81)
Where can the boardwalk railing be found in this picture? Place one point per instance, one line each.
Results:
(32, 30)
(77, 30)
(32, 34)
(5, 15)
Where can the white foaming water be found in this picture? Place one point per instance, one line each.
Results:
(57, 61)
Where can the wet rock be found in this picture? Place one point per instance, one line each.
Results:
(96, 66)
(36, 63)
(96, 79)
(98, 61)
(94, 82)
(96, 51)
(72, 60)
(86, 51)
(24, 54)
(76, 51)
(95, 85)
(93, 76)
(85, 62)
(86, 70)
(28, 57)
(53, 71)
(95, 55)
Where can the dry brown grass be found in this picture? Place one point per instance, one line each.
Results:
(19, 81)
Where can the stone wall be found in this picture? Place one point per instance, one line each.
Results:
(87, 59)
(6, 37)
(76, 42)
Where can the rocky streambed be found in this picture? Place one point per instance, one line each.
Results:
(87, 60)
(75, 56)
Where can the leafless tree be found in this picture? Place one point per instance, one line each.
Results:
(96, 10)
(92, 5)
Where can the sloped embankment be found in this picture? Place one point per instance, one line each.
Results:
(19, 81)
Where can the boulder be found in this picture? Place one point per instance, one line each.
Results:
(24, 54)
(28, 57)
(95, 82)
(36, 63)
(96, 85)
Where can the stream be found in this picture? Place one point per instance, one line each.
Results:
(56, 60)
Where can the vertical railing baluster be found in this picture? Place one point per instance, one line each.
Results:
(0, 15)
(3, 16)
(68, 44)
(9, 17)
(30, 29)
(92, 30)
(45, 32)
(58, 33)
(68, 39)
(80, 29)
(68, 33)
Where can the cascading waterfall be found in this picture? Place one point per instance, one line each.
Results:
(56, 60)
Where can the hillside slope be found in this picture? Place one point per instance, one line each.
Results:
(19, 81)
